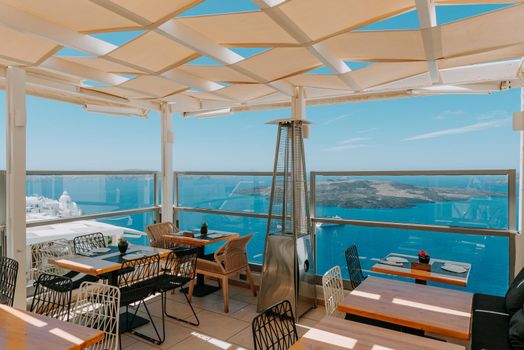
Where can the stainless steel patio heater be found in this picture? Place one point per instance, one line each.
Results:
(288, 272)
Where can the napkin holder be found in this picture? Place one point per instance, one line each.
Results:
(421, 266)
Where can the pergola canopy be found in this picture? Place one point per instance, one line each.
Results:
(479, 54)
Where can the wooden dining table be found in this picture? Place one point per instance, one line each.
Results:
(200, 242)
(23, 330)
(109, 263)
(440, 311)
(333, 333)
(437, 274)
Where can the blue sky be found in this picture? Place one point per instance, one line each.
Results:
(438, 132)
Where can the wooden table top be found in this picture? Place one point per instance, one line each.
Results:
(334, 333)
(97, 265)
(198, 241)
(24, 330)
(437, 310)
(454, 279)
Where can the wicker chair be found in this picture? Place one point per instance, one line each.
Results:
(275, 328)
(229, 259)
(354, 268)
(8, 274)
(156, 231)
(333, 290)
(86, 243)
(52, 296)
(98, 306)
(179, 271)
(137, 282)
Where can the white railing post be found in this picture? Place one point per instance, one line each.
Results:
(519, 244)
(16, 173)
(167, 163)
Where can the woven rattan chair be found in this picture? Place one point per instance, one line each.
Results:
(52, 296)
(275, 328)
(354, 269)
(98, 306)
(333, 290)
(156, 231)
(229, 259)
(8, 274)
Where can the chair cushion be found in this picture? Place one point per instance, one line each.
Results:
(134, 293)
(79, 278)
(516, 330)
(490, 331)
(167, 282)
(488, 303)
(206, 265)
(515, 297)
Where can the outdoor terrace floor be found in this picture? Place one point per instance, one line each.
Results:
(217, 330)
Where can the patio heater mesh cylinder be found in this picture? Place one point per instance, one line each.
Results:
(288, 271)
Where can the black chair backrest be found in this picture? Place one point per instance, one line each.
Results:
(8, 274)
(139, 270)
(275, 327)
(182, 262)
(86, 243)
(354, 269)
(52, 296)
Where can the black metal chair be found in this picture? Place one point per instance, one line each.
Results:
(86, 243)
(354, 268)
(179, 270)
(52, 296)
(137, 282)
(275, 328)
(61, 249)
(8, 274)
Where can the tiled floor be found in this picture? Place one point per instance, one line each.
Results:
(217, 330)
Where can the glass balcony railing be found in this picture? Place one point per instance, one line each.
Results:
(463, 216)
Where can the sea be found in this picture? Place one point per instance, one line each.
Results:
(488, 255)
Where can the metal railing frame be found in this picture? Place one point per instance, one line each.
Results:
(510, 232)
(510, 173)
(155, 208)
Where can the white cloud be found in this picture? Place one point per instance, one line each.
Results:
(352, 143)
(344, 147)
(354, 140)
(367, 131)
(449, 114)
(337, 118)
(462, 130)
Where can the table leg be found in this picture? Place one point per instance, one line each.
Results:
(424, 282)
(201, 289)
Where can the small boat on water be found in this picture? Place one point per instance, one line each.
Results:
(326, 224)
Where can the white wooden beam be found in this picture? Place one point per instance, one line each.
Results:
(427, 18)
(191, 80)
(320, 51)
(197, 42)
(23, 22)
(82, 71)
(167, 163)
(16, 173)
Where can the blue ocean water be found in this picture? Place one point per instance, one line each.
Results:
(489, 256)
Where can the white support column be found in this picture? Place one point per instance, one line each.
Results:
(16, 172)
(167, 163)
(519, 240)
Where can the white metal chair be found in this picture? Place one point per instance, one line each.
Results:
(98, 306)
(333, 290)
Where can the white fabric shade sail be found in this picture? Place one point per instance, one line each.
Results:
(479, 54)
